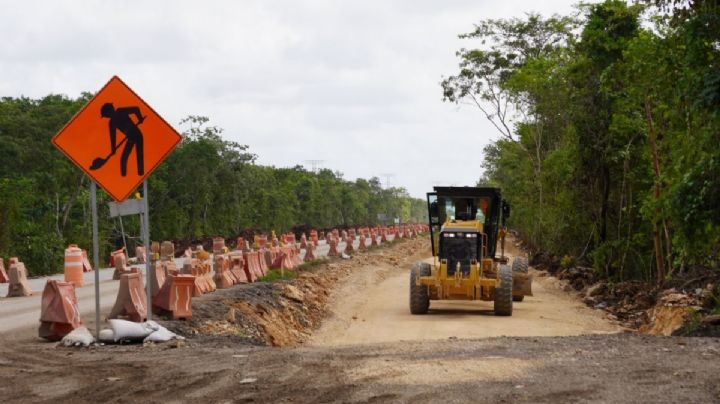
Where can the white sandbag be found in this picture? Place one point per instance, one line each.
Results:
(128, 330)
(106, 335)
(162, 335)
(78, 337)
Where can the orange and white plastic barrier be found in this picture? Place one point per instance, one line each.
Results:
(167, 250)
(223, 279)
(3, 275)
(158, 275)
(242, 244)
(349, 248)
(120, 264)
(140, 254)
(333, 252)
(59, 312)
(130, 303)
(361, 245)
(86, 262)
(218, 246)
(17, 275)
(237, 267)
(252, 265)
(175, 297)
(309, 254)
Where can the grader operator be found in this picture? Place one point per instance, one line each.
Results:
(464, 226)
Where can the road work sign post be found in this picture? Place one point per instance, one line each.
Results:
(117, 140)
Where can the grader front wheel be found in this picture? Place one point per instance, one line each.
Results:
(503, 294)
(419, 297)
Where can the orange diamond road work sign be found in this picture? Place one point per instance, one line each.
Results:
(117, 139)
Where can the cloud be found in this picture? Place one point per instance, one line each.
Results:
(351, 83)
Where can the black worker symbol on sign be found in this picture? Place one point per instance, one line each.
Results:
(120, 120)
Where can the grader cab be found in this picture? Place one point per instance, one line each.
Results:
(465, 223)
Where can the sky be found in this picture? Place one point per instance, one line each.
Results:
(353, 84)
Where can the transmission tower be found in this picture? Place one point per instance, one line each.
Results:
(314, 164)
(387, 179)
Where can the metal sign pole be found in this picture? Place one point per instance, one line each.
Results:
(146, 236)
(122, 232)
(96, 255)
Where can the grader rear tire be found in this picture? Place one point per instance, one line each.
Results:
(520, 264)
(419, 297)
(503, 294)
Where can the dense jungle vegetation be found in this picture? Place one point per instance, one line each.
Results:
(208, 186)
(609, 123)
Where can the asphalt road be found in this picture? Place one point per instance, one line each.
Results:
(18, 313)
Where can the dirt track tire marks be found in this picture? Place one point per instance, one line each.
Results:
(419, 296)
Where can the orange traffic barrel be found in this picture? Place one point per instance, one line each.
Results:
(74, 266)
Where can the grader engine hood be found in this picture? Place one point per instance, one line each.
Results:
(459, 247)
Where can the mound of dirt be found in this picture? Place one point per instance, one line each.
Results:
(281, 313)
(675, 309)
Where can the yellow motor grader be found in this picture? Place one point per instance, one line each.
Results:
(465, 223)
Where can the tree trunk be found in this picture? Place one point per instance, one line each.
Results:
(652, 140)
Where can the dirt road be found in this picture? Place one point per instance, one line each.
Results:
(425, 359)
(372, 306)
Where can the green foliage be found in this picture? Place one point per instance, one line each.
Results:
(275, 275)
(567, 262)
(613, 154)
(208, 186)
(311, 264)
